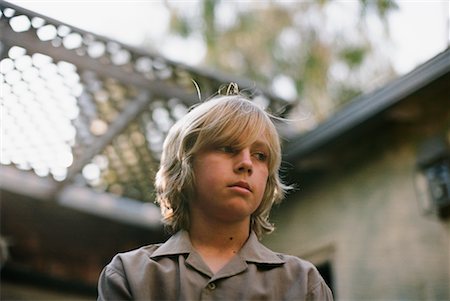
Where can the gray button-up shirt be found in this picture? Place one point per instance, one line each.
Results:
(175, 271)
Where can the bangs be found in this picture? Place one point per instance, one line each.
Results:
(234, 130)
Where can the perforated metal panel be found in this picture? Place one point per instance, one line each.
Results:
(80, 107)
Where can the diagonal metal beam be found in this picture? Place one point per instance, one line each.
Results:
(131, 112)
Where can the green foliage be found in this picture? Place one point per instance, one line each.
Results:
(293, 39)
(382, 7)
(353, 55)
(208, 17)
(181, 26)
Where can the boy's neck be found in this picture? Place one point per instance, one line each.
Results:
(212, 233)
(223, 237)
(218, 244)
(220, 237)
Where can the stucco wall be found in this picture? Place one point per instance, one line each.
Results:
(366, 219)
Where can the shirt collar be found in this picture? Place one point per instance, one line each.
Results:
(252, 251)
(179, 243)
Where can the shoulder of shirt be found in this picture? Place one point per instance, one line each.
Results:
(295, 261)
(129, 259)
(132, 256)
(145, 251)
(305, 268)
(302, 266)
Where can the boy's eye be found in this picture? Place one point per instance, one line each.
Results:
(261, 156)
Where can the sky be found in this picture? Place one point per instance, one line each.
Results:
(419, 29)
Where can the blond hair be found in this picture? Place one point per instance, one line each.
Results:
(223, 120)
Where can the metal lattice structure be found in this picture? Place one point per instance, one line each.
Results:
(81, 108)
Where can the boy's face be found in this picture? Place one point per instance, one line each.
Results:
(230, 182)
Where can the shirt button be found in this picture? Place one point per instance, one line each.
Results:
(212, 286)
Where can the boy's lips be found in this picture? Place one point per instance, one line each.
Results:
(241, 184)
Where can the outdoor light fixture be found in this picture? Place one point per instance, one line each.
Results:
(433, 176)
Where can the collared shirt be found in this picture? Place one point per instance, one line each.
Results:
(175, 271)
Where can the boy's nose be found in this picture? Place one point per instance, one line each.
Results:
(244, 162)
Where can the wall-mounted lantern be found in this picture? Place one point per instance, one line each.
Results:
(433, 176)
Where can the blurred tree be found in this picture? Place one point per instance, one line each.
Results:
(318, 54)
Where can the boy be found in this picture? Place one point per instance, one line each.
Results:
(217, 181)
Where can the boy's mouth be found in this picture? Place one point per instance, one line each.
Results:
(242, 184)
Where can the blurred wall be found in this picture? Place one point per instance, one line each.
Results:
(361, 214)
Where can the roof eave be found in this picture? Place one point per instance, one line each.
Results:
(366, 107)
